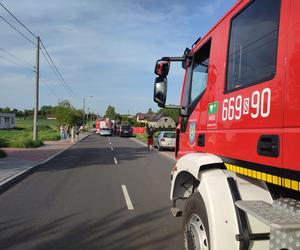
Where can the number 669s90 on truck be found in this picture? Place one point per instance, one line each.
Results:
(238, 138)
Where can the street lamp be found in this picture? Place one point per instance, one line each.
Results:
(83, 118)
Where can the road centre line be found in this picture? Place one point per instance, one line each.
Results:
(115, 160)
(112, 149)
(127, 198)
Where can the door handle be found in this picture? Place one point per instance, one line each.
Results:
(201, 140)
(268, 145)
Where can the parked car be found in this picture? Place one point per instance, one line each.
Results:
(125, 130)
(105, 131)
(165, 140)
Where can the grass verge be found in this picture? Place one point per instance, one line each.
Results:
(141, 137)
(21, 137)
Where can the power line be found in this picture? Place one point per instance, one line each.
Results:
(22, 34)
(47, 56)
(15, 63)
(56, 69)
(16, 57)
(23, 25)
(49, 63)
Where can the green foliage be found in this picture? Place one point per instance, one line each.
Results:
(111, 112)
(65, 113)
(173, 113)
(150, 111)
(21, 136)
(141, 137)
(2, 154)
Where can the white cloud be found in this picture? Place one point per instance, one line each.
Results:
(103, 47)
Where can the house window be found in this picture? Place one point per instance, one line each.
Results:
(12, 120)
(6, 119)
(253, 44)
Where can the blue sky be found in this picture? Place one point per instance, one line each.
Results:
(105, 49)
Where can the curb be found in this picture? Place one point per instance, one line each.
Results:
(154, 149)
(22, 174)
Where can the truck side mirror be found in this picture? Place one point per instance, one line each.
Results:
(187, 62)
(162, 68)
(160, 90)
(183, 112)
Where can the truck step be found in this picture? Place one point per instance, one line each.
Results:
(282, 214)
(283, 217)
(176, 212)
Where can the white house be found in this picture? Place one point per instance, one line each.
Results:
(162, 121)
(7, 120)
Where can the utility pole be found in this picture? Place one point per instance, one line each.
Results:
(83, 114)
(36, 95)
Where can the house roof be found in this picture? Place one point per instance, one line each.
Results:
(159, 116)
(8, 114)
(144, 116)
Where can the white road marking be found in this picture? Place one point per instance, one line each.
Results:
(112, 149)
(115, 160)
(127, 198)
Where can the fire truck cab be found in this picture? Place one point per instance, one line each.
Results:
(237, 141)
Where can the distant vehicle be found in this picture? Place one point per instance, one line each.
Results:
(165, 140)
(97, 125)
(105, 126)
(105, 131)
(125, 130)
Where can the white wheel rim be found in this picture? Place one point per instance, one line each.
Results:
(195, 237)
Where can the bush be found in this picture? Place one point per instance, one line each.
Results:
(29, 143)
(49, 137)
(2, 154)
(3, 143)
(24, 143)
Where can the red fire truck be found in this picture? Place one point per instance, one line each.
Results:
(237, 140)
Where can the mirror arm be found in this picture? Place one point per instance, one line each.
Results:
(174, 59)
(171, 106)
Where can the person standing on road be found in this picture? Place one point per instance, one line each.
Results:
(77, 132)
(150, 133)
(62, 132)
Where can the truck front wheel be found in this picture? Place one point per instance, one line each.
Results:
(195, 223)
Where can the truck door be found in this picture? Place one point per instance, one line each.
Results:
(250, 119)
(193, 127)
(291, 135)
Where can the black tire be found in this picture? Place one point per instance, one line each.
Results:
(195, 220)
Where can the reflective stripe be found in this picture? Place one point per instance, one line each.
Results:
(284, 182)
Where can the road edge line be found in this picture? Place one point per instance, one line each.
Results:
(22, 174)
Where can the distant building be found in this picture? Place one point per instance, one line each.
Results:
(143, 117)
(51, 117)
(162, 121)
(7, 120)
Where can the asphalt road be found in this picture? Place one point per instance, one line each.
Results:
(77, 201)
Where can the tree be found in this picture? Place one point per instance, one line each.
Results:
(173, 113)
(110, 112)
(150, 111)
(46, 110)
(65, 113)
